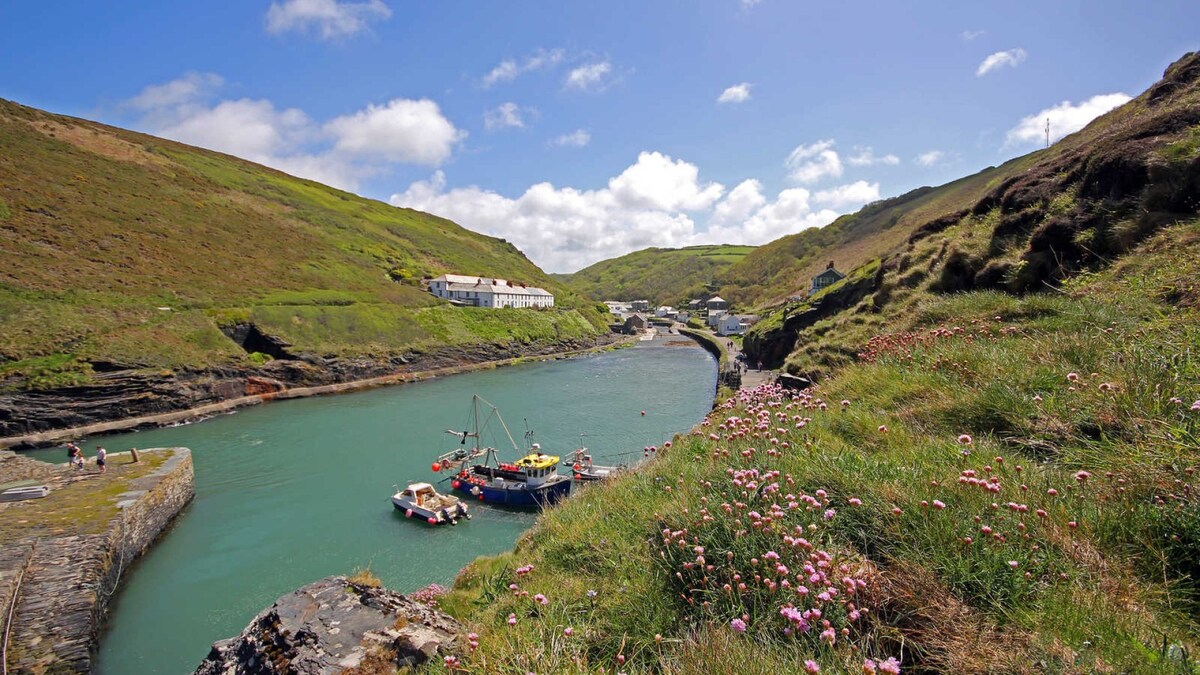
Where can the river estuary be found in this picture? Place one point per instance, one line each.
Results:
(291, 492)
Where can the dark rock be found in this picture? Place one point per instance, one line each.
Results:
(331, 625)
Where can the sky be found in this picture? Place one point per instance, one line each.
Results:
(580, 130)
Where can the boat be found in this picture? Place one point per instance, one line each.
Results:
(420, 500)
(532, 480)
(584, 470)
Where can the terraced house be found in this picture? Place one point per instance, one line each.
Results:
(485, 292)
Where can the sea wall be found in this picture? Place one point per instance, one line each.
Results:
(67, 580)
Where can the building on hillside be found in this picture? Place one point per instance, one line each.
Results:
(714, 317)
(731, 324)
(486, 292)
(695, 304)
(634, 323)
(749, 319)
(618, 309)
(827, 278)
(665, 311)
(716, 302)
(682, 317)
(640, 305)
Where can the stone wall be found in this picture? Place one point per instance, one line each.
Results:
(70, 579)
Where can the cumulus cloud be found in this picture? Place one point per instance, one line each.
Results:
(867, 157)
(735, 94)
(1011, 57)
(510, 69)
(575, 139)
(811, 163)
(329, 19)
(502, 116)
(930, 158)
(853, 194)
(1065, 118)
(589, 77)
(340, 152)
(657, 201)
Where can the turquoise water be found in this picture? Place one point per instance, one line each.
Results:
(294, 491)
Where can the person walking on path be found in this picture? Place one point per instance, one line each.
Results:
(76, 457)
(101, 457)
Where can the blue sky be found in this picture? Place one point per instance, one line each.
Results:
(579, 130)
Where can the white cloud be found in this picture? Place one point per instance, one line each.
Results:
(811, 163)
(328, 18)
(968, 35)
(656, 181)
(503, 115)
(1065, 118)
(589, 77)
(1012, 57)
(747, 4)
(340, 152)
(867, 157)
(735, 94)
(853, 194)
(402, 130)
(509, 69)
(575, 139)
(657, 201)
(930, 158)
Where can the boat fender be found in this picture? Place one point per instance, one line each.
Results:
(455, 484)
(432, 520)
(408, 513)
(576, 466)
(445, 464)
(578, 477)
(436, 467)
(475, 491)
(481, 497)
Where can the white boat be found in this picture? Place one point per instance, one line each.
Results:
(420, 500)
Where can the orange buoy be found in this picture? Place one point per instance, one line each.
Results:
(576, 466)
(455, 484)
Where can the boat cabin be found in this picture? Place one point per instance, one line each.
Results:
(419, 493)
(538, 467)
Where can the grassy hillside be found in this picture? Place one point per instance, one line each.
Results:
(1130, 170)
(100, 227)
(661, 275)
(1002, 484)
(1023, 227)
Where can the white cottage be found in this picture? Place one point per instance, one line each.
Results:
(731, 324)
(486, 292)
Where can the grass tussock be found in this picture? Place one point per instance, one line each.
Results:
(1008, 486)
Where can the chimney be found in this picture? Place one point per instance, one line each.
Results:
(830, 265)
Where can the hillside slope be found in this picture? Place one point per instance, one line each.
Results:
(1022, 227)
(1121, 159)
(121, 252)
(660, 275)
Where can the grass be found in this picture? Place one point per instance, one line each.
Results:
(661, 275)
(83, 507)
(103, 227)
(991, 552)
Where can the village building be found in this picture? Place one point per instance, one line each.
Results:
(486, 292)
(695, 304)
(716, 302)
(735, 324)
(683, 317)
(618, 309)
(665, 311)
(714, 317)
(827, 278)
(640, 305)
(634, 323)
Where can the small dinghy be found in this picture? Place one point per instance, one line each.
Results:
(420, 500)
(586, 471)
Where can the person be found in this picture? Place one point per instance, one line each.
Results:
(760, 365)
(101, 456)
(71, 450)
(76, 457)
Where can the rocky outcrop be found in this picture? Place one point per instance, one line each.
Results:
(122, 393)
(331, 626)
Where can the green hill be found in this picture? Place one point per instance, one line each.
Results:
(120, 250)
(661, 275)
(995, 472)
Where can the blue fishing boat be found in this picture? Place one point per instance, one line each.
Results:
(477, 472)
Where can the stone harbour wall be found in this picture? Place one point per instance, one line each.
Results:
(67, 581)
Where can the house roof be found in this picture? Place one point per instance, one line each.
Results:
(834, 271)
(495, 288)
(716, 298)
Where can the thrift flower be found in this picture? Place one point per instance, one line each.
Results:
(738, 625)
(811, 666)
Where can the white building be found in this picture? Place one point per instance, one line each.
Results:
(731, 324)
(665, 310)
(714, 318)
(485, 292)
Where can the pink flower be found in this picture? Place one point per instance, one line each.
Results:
(738, 625)
(938, 504)
(1037, 398)
(568, 630)
(1013, 564)
(965, 439)
(1082, 476)
(855, 501)
(868, 667)
(541, 599)
(883, 428)
(512, 619)
(891, 666)
(1072, 377)
(811, 666)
